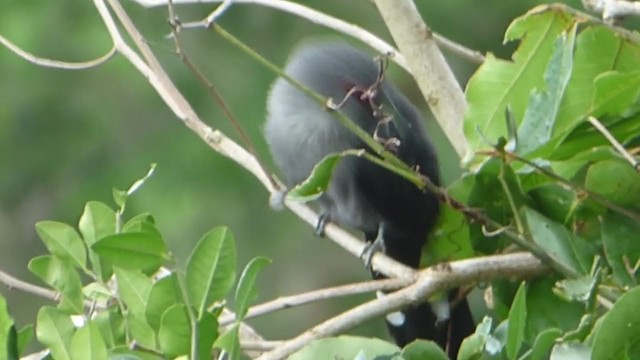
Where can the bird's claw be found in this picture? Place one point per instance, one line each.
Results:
(323, 220)
(371, 249)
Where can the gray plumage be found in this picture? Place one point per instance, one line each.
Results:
(361, 195)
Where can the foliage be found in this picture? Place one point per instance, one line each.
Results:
(169, 312)
(539, 168)
(543, 169)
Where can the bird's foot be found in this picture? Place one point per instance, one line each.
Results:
(323, 220)
(372, 248)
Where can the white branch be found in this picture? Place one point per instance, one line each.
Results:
(431, 280)
(313, 16)
(613, 9)
(428, 67)
(56, 64)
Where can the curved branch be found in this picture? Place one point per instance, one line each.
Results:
(56, 63)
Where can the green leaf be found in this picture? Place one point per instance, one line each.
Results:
(318, 181)
(11, 344)
(517, 322)
(174, 335)
(97, 291)
(54, 330)
(97, 221)
(63, 241)
(621, 246)
(615, 180)
(500, 83)
(619, 329)
(545, 310)
(111, 326)
(6, 324)
(580, 289)
(475, 345)
(488, 193)
(164, 294)
(598, 50)
(450, 238)
(142, 223)
(207, 334)
(125, 353)
(141, 331)
(541, 112)
(211, 268)
(25, 336)
(133, 250)
(87, 343)
(246, 290)
(615, 92)
(62, 277)
(555, 201)
(133, 288)
(230, 342)
(571, 351)
(566, 247)
(119, 197)
(423, 349)
(348, 347)
(542, 345)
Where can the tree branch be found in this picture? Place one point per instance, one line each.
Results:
(612, 9)
(286, 302)
(430, 281)
(56, 64)
(429, 68)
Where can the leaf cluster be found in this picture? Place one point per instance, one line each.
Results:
(121, 295)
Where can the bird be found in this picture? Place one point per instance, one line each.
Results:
(394, 215)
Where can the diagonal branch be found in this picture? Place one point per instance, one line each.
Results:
(431, 280)
(426, 63)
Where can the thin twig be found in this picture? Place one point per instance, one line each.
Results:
(339, 25)
(216, 96)
(287, 302)
(56, 63)
(218, 12)
(15, 283)
(248, 345)
(598, 125)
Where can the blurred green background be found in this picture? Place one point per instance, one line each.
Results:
(67, 137)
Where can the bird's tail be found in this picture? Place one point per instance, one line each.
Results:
(425, 321)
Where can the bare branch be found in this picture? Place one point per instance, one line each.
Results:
(287, 302)
(431, 280)
(598, 125)
(612, 9)
(314, 16)
(56, 63)
(429, 68)
(15, 283)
